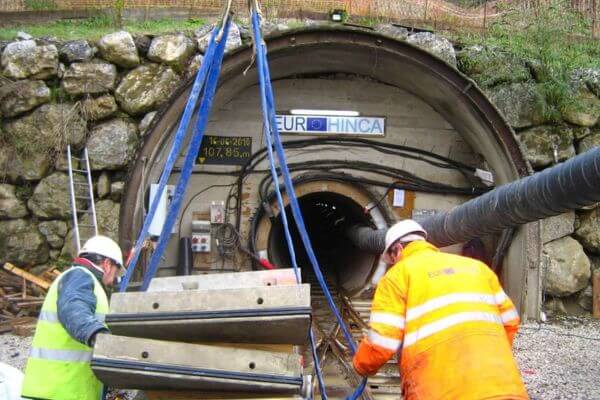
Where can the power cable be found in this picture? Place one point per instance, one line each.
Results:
(378, 202)
(403, 151)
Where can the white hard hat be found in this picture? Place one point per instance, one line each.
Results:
(105, 247)
(398, 231)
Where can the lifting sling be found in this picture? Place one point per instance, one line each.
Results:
(205, 83)
(270, 129)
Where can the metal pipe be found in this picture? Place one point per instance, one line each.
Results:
(568, 186)
(185, 263)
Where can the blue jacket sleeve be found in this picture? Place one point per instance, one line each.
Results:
(77, 306)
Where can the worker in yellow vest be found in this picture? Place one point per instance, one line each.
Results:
(447, 319)
(71, 317)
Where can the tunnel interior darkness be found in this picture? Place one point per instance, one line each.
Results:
(326, 216)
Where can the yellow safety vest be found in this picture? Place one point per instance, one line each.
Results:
(58, 367)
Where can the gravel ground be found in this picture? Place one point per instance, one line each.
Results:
(558, 360)
(14, 350)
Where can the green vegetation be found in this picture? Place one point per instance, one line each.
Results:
(468, 3)
(554, 41)
(94, 28)
(24, 191)
(295, 24)
(40, 5)
(118, 8)
(366, 21)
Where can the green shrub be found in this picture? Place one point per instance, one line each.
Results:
(554, 40)
(36, 5)
(118, 8)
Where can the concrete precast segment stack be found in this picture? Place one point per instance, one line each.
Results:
(232, 315)
(276, 314)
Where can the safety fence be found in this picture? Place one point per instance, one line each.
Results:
(35, 5)
(424, 12)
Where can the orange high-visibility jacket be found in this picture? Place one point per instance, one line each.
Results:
(451, 324)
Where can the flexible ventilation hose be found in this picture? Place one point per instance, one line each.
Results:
(568, 186)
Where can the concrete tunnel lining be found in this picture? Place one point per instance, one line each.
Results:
(352, 51)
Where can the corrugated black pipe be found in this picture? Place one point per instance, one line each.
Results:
(568, 186)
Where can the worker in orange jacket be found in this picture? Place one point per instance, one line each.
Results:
(448, 320)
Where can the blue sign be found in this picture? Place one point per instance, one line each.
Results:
(331, 125)
(318, 124)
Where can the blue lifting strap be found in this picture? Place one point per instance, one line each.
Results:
(269, 119)
(188, 164)
(199, 84)
(288, 237)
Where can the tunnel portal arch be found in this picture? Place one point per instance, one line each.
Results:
(342, 50)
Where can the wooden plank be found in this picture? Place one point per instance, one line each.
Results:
(23, 321)
(596, 294)
(5, 327)
(24, 330)
(24, 300)
(7, 313)
(30, 277)
(30, 304)
(9, 280)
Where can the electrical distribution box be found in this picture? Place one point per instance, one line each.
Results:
(201, 236)
(161, 212)
(217, 212)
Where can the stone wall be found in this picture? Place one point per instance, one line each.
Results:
(103, 95)
(571, 241)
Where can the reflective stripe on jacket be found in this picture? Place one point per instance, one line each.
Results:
(59, 366)
(451, 324)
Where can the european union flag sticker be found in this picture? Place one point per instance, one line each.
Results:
(316, 124)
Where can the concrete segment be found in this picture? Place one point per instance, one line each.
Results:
(230, 280)
(268, 314)
(134, 363)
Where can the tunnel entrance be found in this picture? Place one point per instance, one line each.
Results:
(427, 103)
(327, 215)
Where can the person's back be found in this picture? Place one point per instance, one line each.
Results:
(452, 324)
(456, 345)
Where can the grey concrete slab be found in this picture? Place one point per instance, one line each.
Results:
(134, 363)
(268, 314)
(230, 280)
